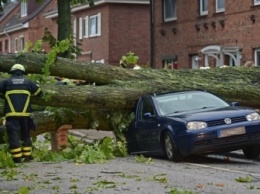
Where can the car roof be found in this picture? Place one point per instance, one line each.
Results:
(175, 92)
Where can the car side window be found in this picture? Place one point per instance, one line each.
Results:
(146, 107)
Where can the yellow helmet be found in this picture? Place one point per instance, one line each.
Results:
(17, 67)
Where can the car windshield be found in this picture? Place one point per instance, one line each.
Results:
(175, 103)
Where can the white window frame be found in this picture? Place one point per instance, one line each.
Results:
(167, 5)
(80, 28)
(85, 27)
(24, 8)
(220, 9)
(22, 43)
(7, 45)
(257, 60)
(94, 30)
(16, 45)
(202, 11)
(100, 61)
(256, 2)
(75, 31)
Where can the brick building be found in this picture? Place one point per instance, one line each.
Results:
(193, 33)
(21, 22)
(111, 29)
(105, 32)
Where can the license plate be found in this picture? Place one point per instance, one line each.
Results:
(231, 132)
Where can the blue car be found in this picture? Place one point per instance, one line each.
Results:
(182, 124)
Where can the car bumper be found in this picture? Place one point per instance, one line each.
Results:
(210, 142)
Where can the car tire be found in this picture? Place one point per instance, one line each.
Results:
(170, 148)
(252, 152)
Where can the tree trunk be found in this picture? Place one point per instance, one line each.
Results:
(64, 22)
(116, 89)
(50, 121)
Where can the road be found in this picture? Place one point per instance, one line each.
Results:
(213, 174)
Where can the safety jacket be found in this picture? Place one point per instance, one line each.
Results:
(18, 91)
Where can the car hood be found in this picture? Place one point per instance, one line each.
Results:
(213, 114)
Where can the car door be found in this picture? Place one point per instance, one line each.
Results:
(147, 127)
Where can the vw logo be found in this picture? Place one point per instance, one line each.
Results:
(227, 121)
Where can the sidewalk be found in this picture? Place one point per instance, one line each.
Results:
(91, 134)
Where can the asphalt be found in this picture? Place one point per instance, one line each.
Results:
(125, 176)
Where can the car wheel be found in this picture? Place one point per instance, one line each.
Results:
(170, 149)
(252, 152)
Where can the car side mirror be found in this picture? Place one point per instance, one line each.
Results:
(148, 115)
(235, 104)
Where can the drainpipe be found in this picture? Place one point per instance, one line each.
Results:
(152, 33)
(9, 41)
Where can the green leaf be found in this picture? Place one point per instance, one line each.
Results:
(246, 179)
(23, 190)
(6, 160)
(104, 184)
(142, 159)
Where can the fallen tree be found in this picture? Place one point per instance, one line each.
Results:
(110, 90)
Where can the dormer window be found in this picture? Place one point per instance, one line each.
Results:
(23, 8)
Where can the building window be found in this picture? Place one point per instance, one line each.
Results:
(203, 7)
(95, 25)
(23, 8)
(21, 43)
(6, 45)
(85, 27)
(195, 61)
(75, 31)
(170, 64)
(1, 47)
(80, 28)
(220, 5)
(256, 2)
(257, 57)
(170, 10)
(16, 45)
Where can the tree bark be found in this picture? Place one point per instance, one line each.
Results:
(64, 22)
(101, 120)
(116, 89)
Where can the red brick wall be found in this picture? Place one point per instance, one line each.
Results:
(98, 45)
(36, 25)
(124, 28)
(39, 23)
(239, 30)
(121, 33)
(129, 30)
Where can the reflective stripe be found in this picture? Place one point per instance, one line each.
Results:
(37, 92)
(26, 104)
(9, 102)
(27, 148)
(17, 155)
(27, 153)
(13, 113)
(16, 150)
(17, 114)
(18, 92)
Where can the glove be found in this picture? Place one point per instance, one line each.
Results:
(32, 124)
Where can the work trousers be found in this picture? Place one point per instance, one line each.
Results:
(18, 130)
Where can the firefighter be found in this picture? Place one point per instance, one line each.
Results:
(17, 91)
